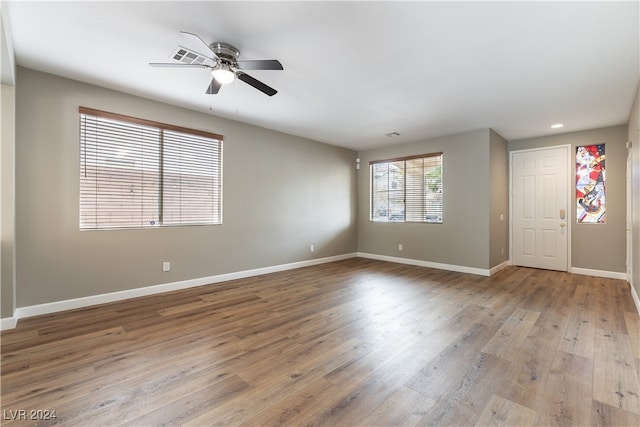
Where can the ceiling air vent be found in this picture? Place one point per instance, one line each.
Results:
(187, 56)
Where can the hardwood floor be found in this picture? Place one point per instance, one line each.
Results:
(355, 342)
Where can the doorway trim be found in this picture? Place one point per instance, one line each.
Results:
(629, 214)
(570, 195)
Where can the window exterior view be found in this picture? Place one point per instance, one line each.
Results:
(407, 189)
(134, 174)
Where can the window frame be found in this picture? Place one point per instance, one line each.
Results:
(416, 193)
(217, 176)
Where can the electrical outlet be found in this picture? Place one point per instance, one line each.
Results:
(400, 247)
(312, 248)
(166, 266)
(502, 251)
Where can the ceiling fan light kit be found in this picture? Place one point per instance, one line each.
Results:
(223, 74)
(224, 65)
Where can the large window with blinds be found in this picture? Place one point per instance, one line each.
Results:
(407, 189)
(136, 173)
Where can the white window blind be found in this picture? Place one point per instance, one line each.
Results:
(137, 173)
(407, 189)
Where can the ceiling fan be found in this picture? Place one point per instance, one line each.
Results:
(224, 64)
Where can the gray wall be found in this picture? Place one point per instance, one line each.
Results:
(499, 200)
(596, 246)
(7, 218)
(473, 162)
(281, 194)
(7, 143)
(633, 135)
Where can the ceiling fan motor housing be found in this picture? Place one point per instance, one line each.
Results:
(226, 52)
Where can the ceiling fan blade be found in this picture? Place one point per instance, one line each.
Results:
(178, 65)
(261, 64)
(197, 39)
(214, 87)
(256, 83)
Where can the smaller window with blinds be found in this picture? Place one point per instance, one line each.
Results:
(136, 173)
(407, 189)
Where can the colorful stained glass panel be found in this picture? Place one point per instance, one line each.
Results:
(590, 188)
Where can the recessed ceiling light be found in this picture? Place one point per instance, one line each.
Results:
(557, 126)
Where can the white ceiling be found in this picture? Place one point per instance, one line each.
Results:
(354, 71)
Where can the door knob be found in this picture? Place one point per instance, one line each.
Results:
(562, 224)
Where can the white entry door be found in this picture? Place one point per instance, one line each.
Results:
(540, 208)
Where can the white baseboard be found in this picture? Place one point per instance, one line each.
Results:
(599, 273)
(420, 263)
(499, 267)
(636, 300)
(53, 307)
(8, 323)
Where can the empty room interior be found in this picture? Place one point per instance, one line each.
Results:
(320, 213)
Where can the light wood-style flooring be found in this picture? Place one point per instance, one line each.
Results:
(354, 342)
